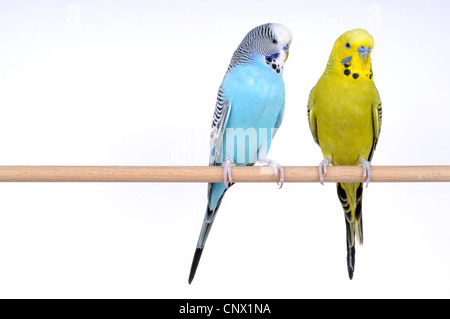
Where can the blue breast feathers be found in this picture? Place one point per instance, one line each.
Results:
(256, 95)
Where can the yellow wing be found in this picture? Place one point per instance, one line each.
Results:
(376, 118)
(312, 116)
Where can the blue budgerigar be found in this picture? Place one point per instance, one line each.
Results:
(249, 110)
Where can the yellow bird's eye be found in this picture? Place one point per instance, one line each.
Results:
(347, 45)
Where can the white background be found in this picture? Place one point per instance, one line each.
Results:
(135, 83)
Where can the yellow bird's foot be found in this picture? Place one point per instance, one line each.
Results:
(367, 167)
(227, 165)
(323, 168)
(278, 170)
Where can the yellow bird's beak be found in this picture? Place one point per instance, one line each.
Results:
(286, 49)
(364, 53)
(364, 58)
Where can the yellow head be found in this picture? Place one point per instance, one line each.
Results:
(351, 55)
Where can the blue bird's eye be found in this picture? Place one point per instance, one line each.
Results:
(274, 41)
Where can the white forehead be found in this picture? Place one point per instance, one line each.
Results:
(283, 34)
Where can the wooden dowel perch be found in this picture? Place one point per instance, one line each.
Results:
(214, 174)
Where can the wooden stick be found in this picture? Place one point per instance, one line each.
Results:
(214, 174)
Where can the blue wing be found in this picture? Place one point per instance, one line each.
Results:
(220, 119)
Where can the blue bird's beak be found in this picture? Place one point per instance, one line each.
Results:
(286, 49)
(364, 53)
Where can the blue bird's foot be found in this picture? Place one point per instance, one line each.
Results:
(323, 168)
(367, 168)
(227, 165)
(278, 171)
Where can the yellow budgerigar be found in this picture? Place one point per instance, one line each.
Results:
(344, 113)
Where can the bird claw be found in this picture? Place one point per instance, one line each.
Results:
(278, 170)
(366, 170)
(323, 169)
(227, 165)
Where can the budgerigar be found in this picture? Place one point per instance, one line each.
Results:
(344, 113)
(249, 110)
